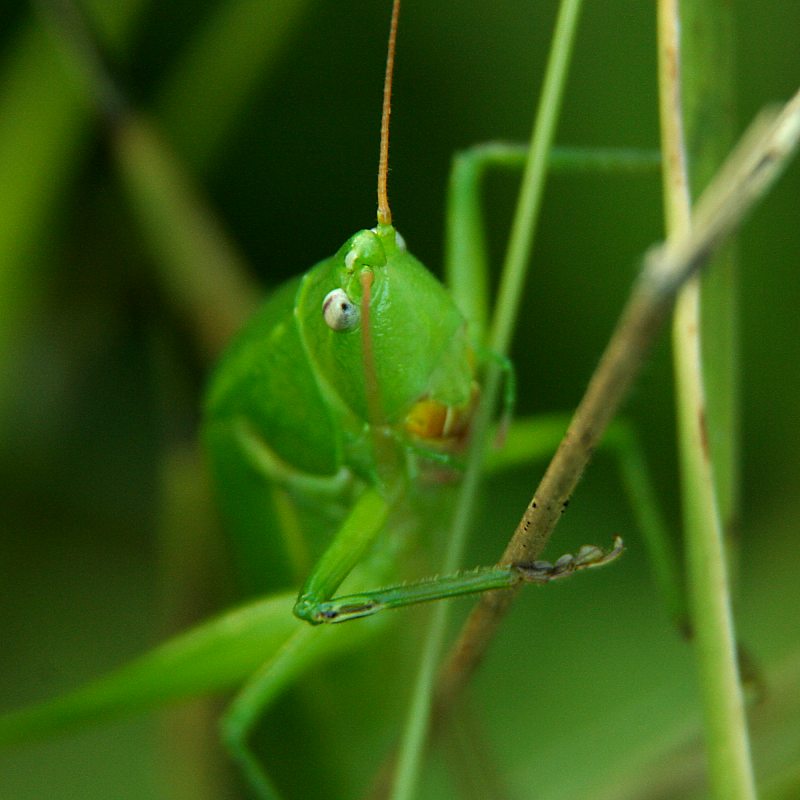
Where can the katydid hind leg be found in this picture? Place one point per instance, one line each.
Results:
(251, 703)
(307, 648)
(466, 258)
(467, 274)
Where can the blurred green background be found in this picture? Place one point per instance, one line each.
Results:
(272, 110)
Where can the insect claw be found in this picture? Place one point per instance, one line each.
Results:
(565, 563)
(588, 556)
(537, 572)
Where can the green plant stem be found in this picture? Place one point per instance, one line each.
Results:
(707, 89)
(199, 269)
(41, 105)
(731, 772)
(510, 294)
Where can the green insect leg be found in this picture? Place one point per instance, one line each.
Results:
(466, 260)
(482, 579)
(466, 268)
(351, 543)
(316, 603)
(252, 701)
(305, 648)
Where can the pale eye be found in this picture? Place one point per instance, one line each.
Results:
(341, 313)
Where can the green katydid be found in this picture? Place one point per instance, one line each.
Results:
(346, 379)
(352, 382)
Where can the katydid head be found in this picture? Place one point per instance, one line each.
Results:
(384, 334)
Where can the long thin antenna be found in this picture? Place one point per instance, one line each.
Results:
(384, 212)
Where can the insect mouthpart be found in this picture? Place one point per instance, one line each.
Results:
(339, 311)
(437, 422)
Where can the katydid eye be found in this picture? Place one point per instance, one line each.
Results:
(340, 312)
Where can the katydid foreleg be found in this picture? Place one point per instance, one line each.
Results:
(316, 602)
(531, 440)
(482, 579)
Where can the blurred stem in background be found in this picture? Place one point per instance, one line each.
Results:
(47, 102)
(211, 81)
(197, 267)
(61, 76)
(44, 105)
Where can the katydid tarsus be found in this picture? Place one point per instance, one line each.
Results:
(354, 383)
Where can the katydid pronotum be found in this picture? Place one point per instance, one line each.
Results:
(378, 375)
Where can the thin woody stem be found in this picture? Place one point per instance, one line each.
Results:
(743, 179)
